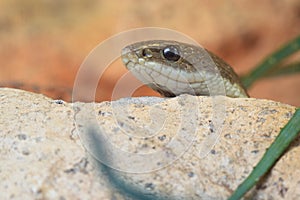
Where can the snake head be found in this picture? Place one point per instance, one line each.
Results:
(173, 68)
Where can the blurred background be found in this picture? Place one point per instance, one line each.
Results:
(43, 43)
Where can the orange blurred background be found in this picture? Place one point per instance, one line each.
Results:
(43, 43)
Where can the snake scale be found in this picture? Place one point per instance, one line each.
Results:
(173, 68)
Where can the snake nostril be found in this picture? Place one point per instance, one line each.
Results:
(147, 53)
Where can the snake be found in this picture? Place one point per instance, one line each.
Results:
(173, 68)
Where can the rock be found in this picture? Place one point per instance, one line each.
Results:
(141, 148)
(41, 154)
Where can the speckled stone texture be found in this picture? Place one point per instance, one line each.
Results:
(41, 154)
(203, 148)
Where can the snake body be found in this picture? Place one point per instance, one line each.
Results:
(173, 68)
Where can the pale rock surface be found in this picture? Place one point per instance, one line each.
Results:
(179, 148)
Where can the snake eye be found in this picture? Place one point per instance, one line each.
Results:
(147, 53)
(171, 53)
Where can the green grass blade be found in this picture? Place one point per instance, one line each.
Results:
(271, 61)
(277, 148)
(289, 69)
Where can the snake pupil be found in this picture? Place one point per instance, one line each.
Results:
(171, 53)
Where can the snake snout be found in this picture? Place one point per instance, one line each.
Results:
(125, 51)
(124, 55)
(129, 57)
